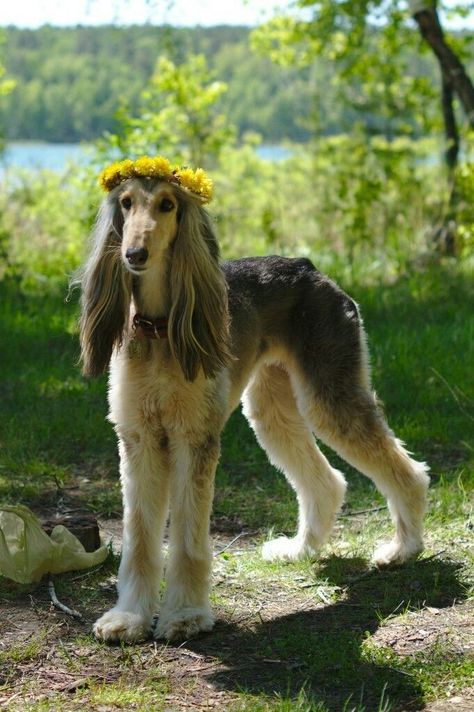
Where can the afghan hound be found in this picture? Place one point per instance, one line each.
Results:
(187, 338)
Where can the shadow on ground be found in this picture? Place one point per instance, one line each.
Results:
(322, 651)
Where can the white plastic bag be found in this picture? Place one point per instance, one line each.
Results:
(27, 552)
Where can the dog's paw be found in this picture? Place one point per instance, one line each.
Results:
(285, 549)
(183, 624)
(117, 625)
(394, 553)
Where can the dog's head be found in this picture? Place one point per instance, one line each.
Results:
(143, 226)
(149, 213)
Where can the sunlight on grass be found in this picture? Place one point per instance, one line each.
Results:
(25, 651)
(123, 695)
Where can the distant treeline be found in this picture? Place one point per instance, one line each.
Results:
(71, 82)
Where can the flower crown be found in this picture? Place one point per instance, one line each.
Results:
(195, 181)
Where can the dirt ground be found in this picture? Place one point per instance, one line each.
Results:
(57, 659)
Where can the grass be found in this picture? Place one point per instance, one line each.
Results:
(322, 635)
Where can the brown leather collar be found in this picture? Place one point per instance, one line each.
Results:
(151, 328)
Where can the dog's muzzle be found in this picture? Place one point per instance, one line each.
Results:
(136, 256)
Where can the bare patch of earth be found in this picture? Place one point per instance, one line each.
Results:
(46, 656)
(420, 631)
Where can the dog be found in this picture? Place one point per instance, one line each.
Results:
(186, 339)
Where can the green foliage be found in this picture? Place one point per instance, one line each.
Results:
(78, 82)
(359, 200)
(358, 206)
(464, 181)
(6, 86)
(376, 54)
(44, 218)
(178, 116)
(71, 81)
(274, 101)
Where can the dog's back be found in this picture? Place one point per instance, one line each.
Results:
(279, 303)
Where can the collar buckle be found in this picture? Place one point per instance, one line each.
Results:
(151, 328)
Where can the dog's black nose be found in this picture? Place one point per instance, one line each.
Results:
(137, 255)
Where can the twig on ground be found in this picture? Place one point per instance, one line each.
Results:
(364, 511)
(320, 591)
(323, 596)
(57, 603)
(89, 572)
(248, 616)
(236, 538)
(364, 575)
(433, 556)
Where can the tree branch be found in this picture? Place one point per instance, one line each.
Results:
(453, 71)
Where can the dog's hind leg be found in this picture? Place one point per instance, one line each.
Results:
(350, 420)
(270, 407)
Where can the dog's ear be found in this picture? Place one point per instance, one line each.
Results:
(198, 319)
(106, 289)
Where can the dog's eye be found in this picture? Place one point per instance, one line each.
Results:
(126, 203)
(166, 205)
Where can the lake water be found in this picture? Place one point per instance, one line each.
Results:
(55, 156)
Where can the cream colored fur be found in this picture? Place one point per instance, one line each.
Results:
(169, 400)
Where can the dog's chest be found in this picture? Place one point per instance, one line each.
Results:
(178, 405)
(155, 393)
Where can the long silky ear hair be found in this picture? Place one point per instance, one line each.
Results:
(199, 318)
(106, 290)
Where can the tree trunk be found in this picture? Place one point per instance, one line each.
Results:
(444, 236)
(454, 73)
(454, 79)
(450, 127)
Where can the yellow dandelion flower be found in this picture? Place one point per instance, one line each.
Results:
(143, 166)
(186, 177)
(162, 166)
(147, 167)
(203, 184)
(126, 169)
(196, 181)
(110, 177)
(158, 167)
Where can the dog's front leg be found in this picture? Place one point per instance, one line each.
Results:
(186, 609)
(145, 486)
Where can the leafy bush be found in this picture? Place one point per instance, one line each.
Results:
(359, 207)
(350, 199)
(44, 218)
(465, 208)
(178, 116)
